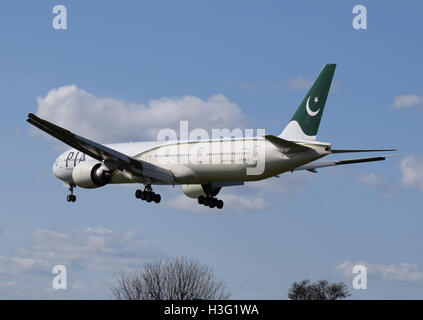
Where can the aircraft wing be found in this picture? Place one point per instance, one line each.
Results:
(324, 164)
(102, 153)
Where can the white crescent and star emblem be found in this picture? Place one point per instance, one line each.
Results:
(309, 111)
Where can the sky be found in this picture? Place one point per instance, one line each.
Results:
(121, 71)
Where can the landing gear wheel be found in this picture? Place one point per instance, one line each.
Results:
(213, 203)
(208, 198)
(219, 204)
(71, 197)
(210, 202)
(157, 198)
(148, 194)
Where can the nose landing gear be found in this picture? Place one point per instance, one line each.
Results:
(148, 194)
(71, 197)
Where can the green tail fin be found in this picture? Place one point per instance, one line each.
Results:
(306, 120)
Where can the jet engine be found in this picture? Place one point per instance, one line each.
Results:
(196, 190)
(193, 190)
(90, 175)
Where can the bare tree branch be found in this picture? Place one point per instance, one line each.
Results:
(320, 290)
(177, 279)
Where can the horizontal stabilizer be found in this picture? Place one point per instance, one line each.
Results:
(360, 150)
(324, 164)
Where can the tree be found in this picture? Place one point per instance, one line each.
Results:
(320, 290)
(176, 279)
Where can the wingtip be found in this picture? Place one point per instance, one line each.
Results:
(395, 155)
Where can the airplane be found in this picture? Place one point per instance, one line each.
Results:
(202, 167)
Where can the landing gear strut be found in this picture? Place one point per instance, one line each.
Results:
(71, 197)
(210, 202)
(148, 194)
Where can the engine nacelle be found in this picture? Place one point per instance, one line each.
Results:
(90, 175)
(193, 190)
(196, 190)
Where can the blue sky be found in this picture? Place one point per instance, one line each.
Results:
(251, 54)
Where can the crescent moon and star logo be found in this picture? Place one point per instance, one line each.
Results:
(309, 111)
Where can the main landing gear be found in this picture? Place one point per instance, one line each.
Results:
(148, 194)
(71, 197)
(210, 202)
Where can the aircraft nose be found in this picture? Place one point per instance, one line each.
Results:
(55, 168)
(60, 172)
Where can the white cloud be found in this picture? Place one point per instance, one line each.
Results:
(91, 256)
(407, 101)
(298, 83)
(378, 183)
(411, 169)
(185, 204)
(402, 272)
(9, 284)
(232, 202)
(288, 185)
(249, 86)
(242, 204)
(113, 120)
(369, 179)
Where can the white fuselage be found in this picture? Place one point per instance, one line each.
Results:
(198, 162)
